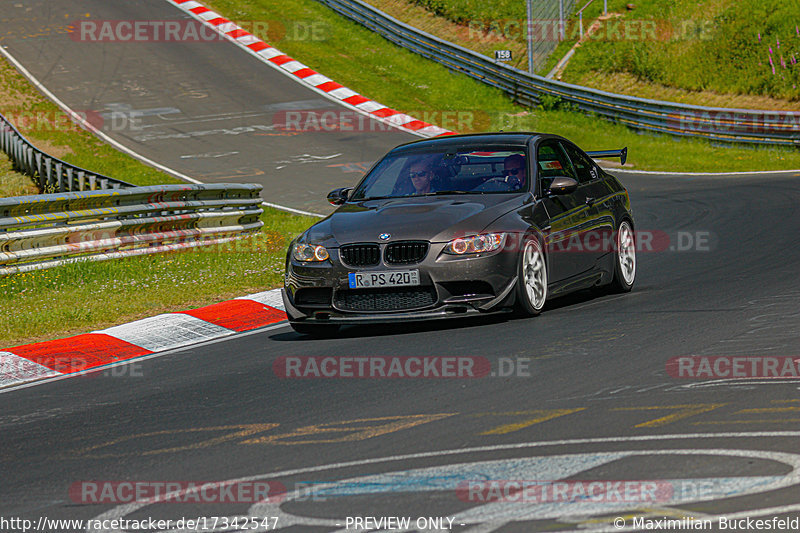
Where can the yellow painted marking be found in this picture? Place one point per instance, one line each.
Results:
(235, 432)
(761, 410)
(683, 411)
(771, 410)
(539, 415)
(349, 430)
(784, 401)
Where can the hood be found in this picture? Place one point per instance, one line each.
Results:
(429, 218)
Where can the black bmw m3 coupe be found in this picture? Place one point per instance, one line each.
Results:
(461, 225)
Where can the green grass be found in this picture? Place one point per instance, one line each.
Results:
(710, 45)
(464, 11)
(87, 296)
(13, 183)
(705, 45)
(367, 63)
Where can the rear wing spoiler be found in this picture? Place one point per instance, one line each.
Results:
(622, 154)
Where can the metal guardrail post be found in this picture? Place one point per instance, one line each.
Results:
(30, 161)
(47, 172)
(58, 179)
(529, 36)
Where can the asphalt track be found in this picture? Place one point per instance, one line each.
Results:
(594, 403)
(205, 109)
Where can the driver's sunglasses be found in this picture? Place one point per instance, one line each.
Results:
(418, 174)
(512, 171)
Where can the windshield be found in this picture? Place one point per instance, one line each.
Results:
(450, 172)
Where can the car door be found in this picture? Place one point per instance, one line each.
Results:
(598, 227)
(566, 214)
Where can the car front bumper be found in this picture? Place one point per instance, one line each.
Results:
(450, 286)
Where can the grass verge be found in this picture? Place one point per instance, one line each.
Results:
(80, 297)
(13, 183)
(87, 296)
(365, 62)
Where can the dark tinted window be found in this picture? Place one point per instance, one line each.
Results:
(445, 172)
(584, 167)
(552, 162)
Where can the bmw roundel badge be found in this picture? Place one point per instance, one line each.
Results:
(384, 236)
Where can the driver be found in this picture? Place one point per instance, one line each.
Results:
(514, 171)
(421, 175)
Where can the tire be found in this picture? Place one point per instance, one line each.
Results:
(531, 279)
(624, 259)
(315, 330)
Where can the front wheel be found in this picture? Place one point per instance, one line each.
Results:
(624, 259)
(531, 279)
(315, 330)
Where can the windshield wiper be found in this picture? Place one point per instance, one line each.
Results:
(372, 198)
(436, 193)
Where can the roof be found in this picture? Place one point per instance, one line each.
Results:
(474, 140)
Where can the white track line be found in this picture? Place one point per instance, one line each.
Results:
(125, 509)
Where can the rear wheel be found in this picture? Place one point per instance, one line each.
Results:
(315, 330)
(624, 259)
(531, 279)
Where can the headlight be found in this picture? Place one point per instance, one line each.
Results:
(475, 244)
(309, 252)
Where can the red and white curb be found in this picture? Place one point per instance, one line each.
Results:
(309, 77)
(140, 338)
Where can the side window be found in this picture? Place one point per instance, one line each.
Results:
(552, 162)
(584, 167)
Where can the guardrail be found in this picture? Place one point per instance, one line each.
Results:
(48, 230)
(49, 173)
(685, 120)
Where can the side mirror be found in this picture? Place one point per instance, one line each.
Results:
(562, 185)
(339, 196)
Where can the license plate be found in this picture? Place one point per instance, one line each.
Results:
(398, 278)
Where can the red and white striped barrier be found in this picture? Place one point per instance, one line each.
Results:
(140, 338)
(303, 74)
